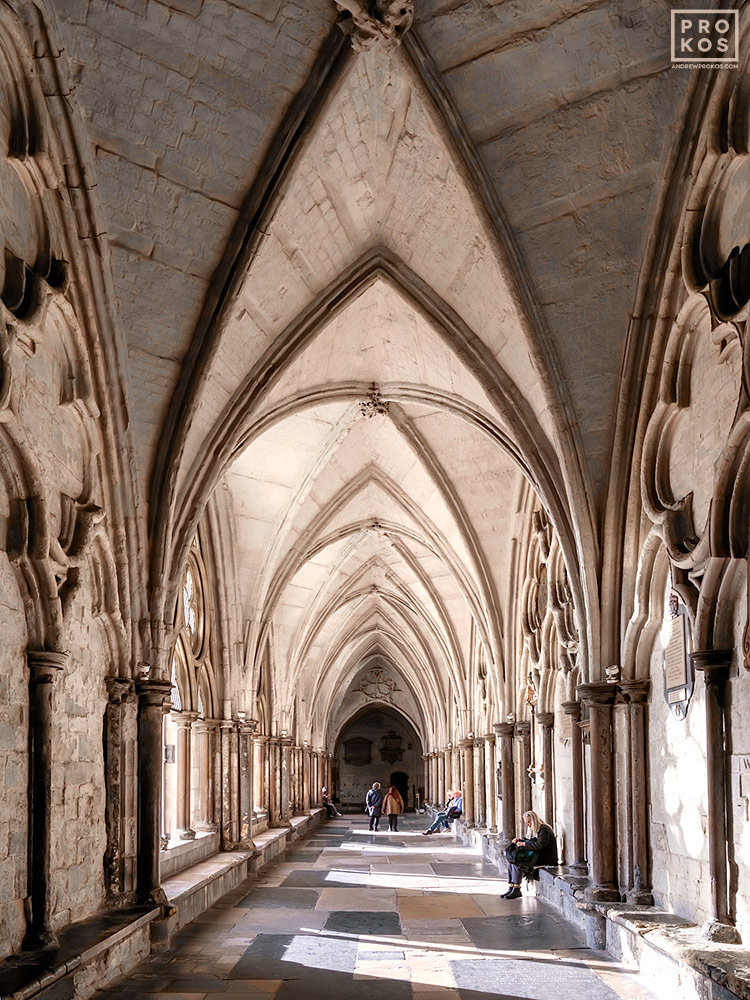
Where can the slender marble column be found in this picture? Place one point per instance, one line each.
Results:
(490, 783)
(184, 723)
(639, 890)
(285, 745)
(229, 815)
(245, 735)
(455, 768)
(434, 780)
(259, 754)
(573, 709)
(467, 751)
(329, 772)
(306, 779)
(205, 731)
(153, 702)
(274, 780)
(599, 698)
(440, 759)
(523, 735)
(504, 733)
(479, 782)
(714, 663)
(546, 722)
(118, 859)
(44, 667)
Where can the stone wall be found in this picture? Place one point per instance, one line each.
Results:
(354, 781)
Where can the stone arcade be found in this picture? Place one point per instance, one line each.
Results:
(374, 404)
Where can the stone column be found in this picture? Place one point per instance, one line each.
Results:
(329, 773)
(184, 723)
(479, 782)
(573, 709)
(523, 735)
(467, 751)
(639, 883)
(504, 733)
(205, 731)
(153, 702)
(259, 768)
(245, 797)
(599, 698)
(490, 783)
(714, 663)
(229, 796)
(434, 780)
(440, 761)
(306, 780)
(546, 722)
(285, 813)
(455, 768)
(273, 778)
(44, 667)
(119, 780)
(426, 773)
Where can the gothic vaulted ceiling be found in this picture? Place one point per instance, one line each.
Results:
(378, 293)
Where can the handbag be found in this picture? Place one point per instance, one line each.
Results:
(454, 812)
(519, 854)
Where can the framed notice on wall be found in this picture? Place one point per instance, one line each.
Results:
(678, 671)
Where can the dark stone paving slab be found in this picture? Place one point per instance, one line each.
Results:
(337, 987)
(326, 879)
(533, 931)
(364, 922)
(529, 979)
(301, 899)
(309, 958)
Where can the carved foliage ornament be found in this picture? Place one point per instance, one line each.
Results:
(375, 21)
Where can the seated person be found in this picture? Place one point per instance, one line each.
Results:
(451, 811)
(330, 808)
(537, 851)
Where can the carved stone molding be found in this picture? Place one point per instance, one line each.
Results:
(368, 22)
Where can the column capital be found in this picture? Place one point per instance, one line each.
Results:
(522, 728)
(572, 708)
(598, 692)
(479, 742)
(206, 725)
(184, 720)
(711, 661)
(119, 689)
(636, 690)
(466, 743)
(247, 727)
(153, 692)
(504, 728)
(45, 665)
(489, 738)
(545, 719)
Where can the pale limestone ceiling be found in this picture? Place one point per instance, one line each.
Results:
(459, 223)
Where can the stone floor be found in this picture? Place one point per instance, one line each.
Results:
(350, 915)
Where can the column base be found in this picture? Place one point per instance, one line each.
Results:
(39, 940)
(713, 930)
(206, 828)
(579, 867)
(640, 896)
(153, 897)
(247, 845)
(185, 834)
(603, 894)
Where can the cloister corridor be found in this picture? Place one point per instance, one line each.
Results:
(350, 915)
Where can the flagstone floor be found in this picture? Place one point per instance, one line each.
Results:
(350, 915)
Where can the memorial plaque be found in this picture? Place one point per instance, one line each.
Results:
(675, 655)
(566, 726)
(678, 672)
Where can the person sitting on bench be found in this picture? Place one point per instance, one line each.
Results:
(526, 855)
(445, 817)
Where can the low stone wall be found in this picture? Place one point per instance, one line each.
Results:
(96, 951)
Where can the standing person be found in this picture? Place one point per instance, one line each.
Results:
(393, 806)
(526, 855)
(374, 805)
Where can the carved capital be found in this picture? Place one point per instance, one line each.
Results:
(368, 22)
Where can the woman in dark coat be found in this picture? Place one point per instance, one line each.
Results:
(544, 845)
(374, 805)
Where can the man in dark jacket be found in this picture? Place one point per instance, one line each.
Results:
(374, 803)
(542, 853)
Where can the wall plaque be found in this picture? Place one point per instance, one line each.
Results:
(678, 672)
